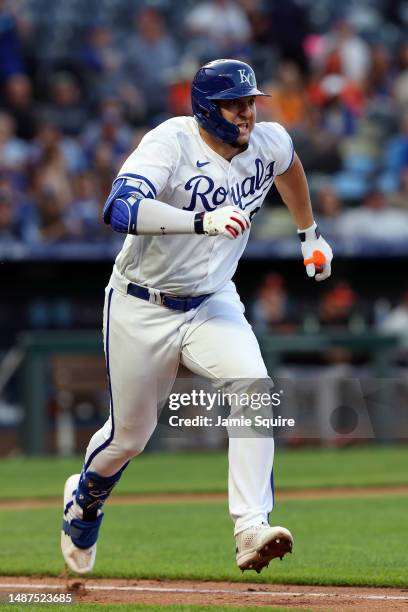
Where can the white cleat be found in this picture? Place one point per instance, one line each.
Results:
(258, 545)
(79, 556)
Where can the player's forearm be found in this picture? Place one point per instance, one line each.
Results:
(131, 214)
(128, 211)
(155, 218)
(294, 190)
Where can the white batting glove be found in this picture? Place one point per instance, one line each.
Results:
(317, 254)
(228, 221)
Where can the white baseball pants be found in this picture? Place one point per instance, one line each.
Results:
(144, 344)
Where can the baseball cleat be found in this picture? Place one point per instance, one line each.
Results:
(78, 537)
(258, 545)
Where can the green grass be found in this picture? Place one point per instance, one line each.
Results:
(195, 472)
(85, 607)
(343, 541)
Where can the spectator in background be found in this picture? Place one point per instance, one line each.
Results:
(262, 48)
(346, 53)
(110, 131)
(13, 150)
(104, 167)
(322, 90)
(133, 104)
(379, 76)
(48, 136)
(318, 147)
(10, 47)
(259, 20)
(395, 158)
(49, 164)
(375, 220)
(338, 312)
(289, 26)
(400, 89)
(49, 221)
(399, 198)
(66, 110)
(82, 217)
(272, 311)
(337, 117)
(101, 66)
(338, 306)
(18, 100)
(149, 54)
(217, 28)
(179, 93)
(100, 62)
(287, 104)
(396, 321)
(6, 184)
(328, 209)
(8, 227)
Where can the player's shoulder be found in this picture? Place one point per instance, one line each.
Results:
(167, 137)
(271, 130)
(271, 140)
(173, 127)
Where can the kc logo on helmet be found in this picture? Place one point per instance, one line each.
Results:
(247, 77)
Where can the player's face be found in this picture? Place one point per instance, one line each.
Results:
(240, 112)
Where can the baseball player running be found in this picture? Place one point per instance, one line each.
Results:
(185, 198)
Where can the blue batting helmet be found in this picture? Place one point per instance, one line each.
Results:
(222, 79)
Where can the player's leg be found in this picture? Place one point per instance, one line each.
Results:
(221, 345)
(142, 355)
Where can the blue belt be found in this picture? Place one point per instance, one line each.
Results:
(164, 299)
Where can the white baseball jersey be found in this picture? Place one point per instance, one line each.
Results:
(173, 164)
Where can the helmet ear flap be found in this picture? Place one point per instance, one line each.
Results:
(205, 110)
(209, 117)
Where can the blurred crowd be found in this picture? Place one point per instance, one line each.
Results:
(81, 82)
(339, 307)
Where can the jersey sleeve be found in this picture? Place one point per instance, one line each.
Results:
(281, 146)
(144, 174)
(151, 164)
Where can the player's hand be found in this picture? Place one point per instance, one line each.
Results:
(317, 254)
(228, 221)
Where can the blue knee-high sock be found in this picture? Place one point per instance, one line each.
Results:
(93, 490)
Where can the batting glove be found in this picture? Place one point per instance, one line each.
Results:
(228, 221)
(317, 254)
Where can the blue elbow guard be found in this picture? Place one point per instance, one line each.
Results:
(120, 210)
(123, 214)
(121, 207)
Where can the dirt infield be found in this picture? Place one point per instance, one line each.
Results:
(91, 590)
(174, 498)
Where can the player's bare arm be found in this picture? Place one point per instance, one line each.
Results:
(293, 188)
